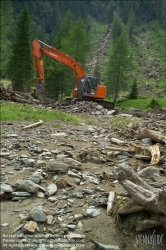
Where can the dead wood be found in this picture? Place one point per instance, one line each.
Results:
(17, 98)
(33, 125)
(130, 207)
(152, 200)
(154, 150)
(123, 149)
(134, 177)
(153, 135)
(7, 94)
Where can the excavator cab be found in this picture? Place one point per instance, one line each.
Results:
(87, 85)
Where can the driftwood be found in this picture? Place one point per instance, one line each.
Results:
(33, 125)
(134, 130)
(153, 135)
(154, 150)
(152, 200)
(122, 149)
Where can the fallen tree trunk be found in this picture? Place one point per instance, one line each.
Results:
(152, 200)
(153, 135)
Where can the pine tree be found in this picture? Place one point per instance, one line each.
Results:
(117, 27)
(77, 43)
(131, 21)
(20, 64)
(110, 11)
(118, 67)
(134, 90)
(6, 25)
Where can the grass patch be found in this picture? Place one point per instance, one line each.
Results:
(140, 103)
(25, 112)
(122, 122)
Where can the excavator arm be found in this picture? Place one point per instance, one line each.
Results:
(40, 49)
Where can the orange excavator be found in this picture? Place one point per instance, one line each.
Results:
(87, 87)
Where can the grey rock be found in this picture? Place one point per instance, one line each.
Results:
(58, 167)
(111, 112)
(28, 162)
(52, 189)
(5, 224)
(3, 154)
(122, 157)
(78, 195)
(147, 141)
(37, 214)
(6, 188)
(42, 247)
(88, 191)
(71, 226)
(61, 157)
(94, 159)
(91, 130)
(34, 179)
(72, 162)
(149, 172)
(92, 212)
(99, 107)
(26, 185)
(105, 247)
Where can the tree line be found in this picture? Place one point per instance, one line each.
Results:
(68, 31)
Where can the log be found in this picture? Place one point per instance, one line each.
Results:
(33, 125)
(130, 207)
(134, 177)
(18, 99)
(117, 141)
(123, 149)
(152, 200)
(154, 150)
(153, 135)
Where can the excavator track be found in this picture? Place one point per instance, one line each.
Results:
(104, 104)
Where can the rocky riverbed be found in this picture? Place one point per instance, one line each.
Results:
(55, 183)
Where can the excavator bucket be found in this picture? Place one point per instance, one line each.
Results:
(39, 93)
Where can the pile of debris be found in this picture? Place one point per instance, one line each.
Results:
(72, 174)
(9, 95)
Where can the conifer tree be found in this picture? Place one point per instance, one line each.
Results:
(134, 90)
(6, 25)
(20, 64)
(77, 43)
(117, 27)
(118, 66)
(131, 21)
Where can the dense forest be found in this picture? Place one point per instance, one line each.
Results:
(136, 45)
